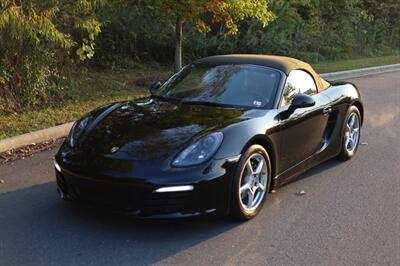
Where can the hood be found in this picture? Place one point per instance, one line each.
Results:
(152, 128)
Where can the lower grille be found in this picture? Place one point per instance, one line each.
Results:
(167, 202)
(123, 196)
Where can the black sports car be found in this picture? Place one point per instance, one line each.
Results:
(214, 139)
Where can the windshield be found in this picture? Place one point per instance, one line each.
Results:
(232, 85)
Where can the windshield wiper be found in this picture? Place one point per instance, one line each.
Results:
(167, 99)
(209, 104)
(172, 99)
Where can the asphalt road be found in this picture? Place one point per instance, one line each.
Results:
(350, 214)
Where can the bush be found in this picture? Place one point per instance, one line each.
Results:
(313, 30)
(36, 39)
(39, 37)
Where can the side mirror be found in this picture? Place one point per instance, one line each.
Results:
(302, 101)
(155, 86)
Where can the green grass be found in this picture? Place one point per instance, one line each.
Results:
(90, 89)
(86, 91)
(348, 64)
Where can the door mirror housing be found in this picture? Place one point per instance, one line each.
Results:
(155, 86)
(302, 101)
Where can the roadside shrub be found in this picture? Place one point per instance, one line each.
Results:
(39, 38)
(36, 39)
(313, 30)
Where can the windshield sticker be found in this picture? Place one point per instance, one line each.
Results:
(257, 103)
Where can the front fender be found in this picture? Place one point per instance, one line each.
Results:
(238, 136)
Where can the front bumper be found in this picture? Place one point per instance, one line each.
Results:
(210, 194)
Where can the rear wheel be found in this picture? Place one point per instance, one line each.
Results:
(351, 135)
(251, 183)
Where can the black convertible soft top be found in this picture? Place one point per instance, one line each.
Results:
(282, 63)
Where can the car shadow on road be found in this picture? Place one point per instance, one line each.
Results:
(38, 228)
(314, 171)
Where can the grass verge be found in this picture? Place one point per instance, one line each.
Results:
(88, 89)
(340, 65)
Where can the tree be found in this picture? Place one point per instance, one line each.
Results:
(227, 12)
(36, 38)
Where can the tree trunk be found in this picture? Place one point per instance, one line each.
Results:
(178, 44)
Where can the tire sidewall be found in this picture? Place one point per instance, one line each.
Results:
(237, 209)
(346, 155)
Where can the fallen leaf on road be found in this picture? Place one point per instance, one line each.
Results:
(1, 181)
(26, 151)
(301, 193)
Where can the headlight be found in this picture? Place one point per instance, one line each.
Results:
(200, 151)
(76, 131)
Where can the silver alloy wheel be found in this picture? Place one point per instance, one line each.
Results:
(253, 182)
(352, 133)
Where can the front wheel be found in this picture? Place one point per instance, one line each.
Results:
(351, 134)
(251, 183)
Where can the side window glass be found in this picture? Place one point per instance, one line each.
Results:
(297, 82)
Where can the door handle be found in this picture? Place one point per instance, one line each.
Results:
(327, 110)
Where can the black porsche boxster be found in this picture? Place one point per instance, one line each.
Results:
(214, 139)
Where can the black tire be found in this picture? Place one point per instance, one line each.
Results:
(237, 209)
(345, 154)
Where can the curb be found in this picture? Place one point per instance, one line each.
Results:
(62, 130)
(355, 73)
(35, 137)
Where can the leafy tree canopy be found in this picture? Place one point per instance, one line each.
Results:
(228, 12)
(36, 37)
